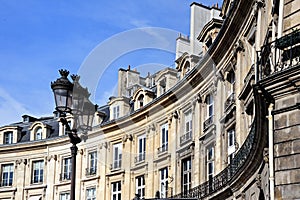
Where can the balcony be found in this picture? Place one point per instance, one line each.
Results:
(116, 165)
(65, 176)
(207, 123)
(139, 158)
(243, 165)
(229, 102)
(90, 171)
(279, 55)
(186, 137)
(163, 148)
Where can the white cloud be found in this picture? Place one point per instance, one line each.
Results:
(10, 109)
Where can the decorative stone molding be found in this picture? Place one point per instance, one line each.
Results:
(258, 180)
(266, 155)
(127, 137)
(238, 47)
(104, 145)
(176, 114)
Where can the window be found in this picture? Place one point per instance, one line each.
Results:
(64, 196)
(231, 81)
(116, 191)
(67, 169)
(164, 138)
(141, 101)
(116, 112)
(164, 182)
(65, 127)
(140, 186)
(37, 171)
(117, 156)
(209, 112)
(186, 175)
(231, 144)
(7, 174)
(188, 127)
(92, 163)
(141, 148)
(38, 134)
(210, 105)
(210, 163)
(8, 137)
(91, 194)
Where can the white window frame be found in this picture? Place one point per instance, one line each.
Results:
(116, 112)
(66, 168)
(186, 172)
(9, 170)
(163, 186)
(117, 156)
(210, 162)
(210, 106)
(91, 193)
(231, 144)
(141, 148)
(140, 186)
(164, 139)
(92, 162)
(188, 125)
(8, 137)
(38, 135)
(37, 171)
(116, 194)
(64, 196)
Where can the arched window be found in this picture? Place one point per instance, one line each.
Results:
(38, 134)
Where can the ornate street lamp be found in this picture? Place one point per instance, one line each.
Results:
(72, 98)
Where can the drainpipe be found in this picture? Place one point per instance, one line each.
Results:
(271, 152)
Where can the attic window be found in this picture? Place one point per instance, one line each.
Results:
(8, 137)
(38, 134)
(141, 101)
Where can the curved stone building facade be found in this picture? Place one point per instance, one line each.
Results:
(223, 125)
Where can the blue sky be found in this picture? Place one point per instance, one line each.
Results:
(40, 37)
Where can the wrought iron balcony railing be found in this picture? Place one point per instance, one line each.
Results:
(139, 158)
(186, 137)
(229, 101)
(163, 148)
(116, 164)
(221, 180)
(90, 171)
(65, 176)
(207, 123)
(279, 55)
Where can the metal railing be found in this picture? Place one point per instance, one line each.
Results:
(139, 158)
(116, 164)
(279, 55)
(90, 171)
(65, 176)
(207, 123)
(163, 148)
(229, 101)
(222, 179)
(186, 137)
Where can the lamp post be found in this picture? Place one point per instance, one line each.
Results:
(72, 98)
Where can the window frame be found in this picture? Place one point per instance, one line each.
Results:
(40, 170)
(38, 133)
(140, 186)
(186, 170)
(164, 137)
(118, 192)
(163, 182)
(10, 175)
(93, 194)
(92, 162)
(66, 168)
(117, 159)
(67, 194)
(8, 135)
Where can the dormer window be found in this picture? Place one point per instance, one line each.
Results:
(116, 112)
(141, 101)
(38, 134)
(8, 137)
